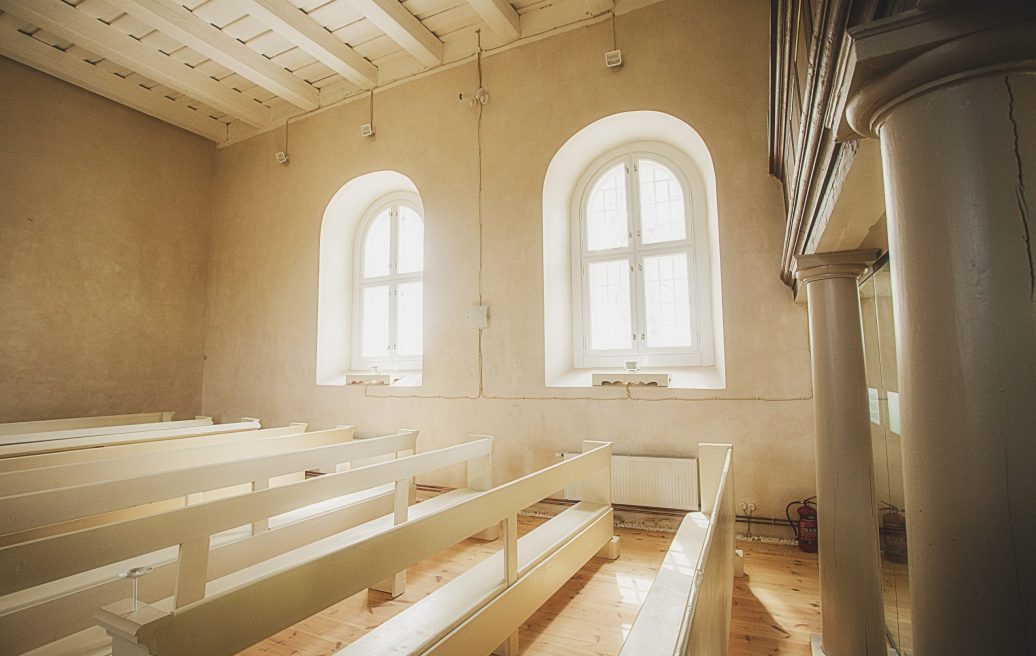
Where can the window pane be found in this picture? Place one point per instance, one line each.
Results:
(667, 301)
(606, 225)
(376, 246)
(411, 241)
(410, 319)
(609, 284)
(375, 322)
(662, 209)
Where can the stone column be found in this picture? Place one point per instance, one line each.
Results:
(952, 97)
(851, 609)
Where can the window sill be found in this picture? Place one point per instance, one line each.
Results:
(680, 377)
(395, 378)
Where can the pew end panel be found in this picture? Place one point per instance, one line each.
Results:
(687, 609)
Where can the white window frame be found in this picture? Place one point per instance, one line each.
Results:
(392, 362)
(695, 246)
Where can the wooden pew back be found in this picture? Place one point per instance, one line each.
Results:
(250, 444)
(172, 430)
(29, 619)
(47, 425)
(228, 622)
(22, 512)
(111, 451)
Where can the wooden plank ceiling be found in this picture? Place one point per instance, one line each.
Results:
(228, 69)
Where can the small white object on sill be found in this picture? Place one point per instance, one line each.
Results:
(630, 378)
(371, 379)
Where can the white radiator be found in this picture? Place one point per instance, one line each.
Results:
(646, 481)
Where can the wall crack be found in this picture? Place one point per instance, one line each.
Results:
(1023, 205)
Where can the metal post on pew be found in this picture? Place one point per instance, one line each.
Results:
(597, 488)
(395, 585)
(480, 477)
(192, 572)
(122, 624)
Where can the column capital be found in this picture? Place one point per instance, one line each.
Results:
(837, 264)
(889, 61)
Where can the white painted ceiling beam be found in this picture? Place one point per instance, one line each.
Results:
(173, 20)
(401, 26)
(71, 69)
(290, 22)
(500, 16)
(81, 29)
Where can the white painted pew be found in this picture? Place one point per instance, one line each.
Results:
(51, 587)
(46, 425)
(687, 611)
(47, 436)
(31, 510)
(193, 428)
(470, 617)
(272, 441)
(111, 451)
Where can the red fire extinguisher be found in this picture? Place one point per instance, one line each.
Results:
(806, 526)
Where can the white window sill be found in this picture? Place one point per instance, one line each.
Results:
(680, 377)
(402, 379)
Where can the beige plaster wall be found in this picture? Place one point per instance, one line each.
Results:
(103, 254)
(704, 64)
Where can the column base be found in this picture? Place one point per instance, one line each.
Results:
(814, 644)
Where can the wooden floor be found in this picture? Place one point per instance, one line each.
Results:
(776, 606)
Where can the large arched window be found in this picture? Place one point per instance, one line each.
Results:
(634, 261)
(631, 262)
(389, 293)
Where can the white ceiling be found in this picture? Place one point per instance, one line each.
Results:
(228, 69)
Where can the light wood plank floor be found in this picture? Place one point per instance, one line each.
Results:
(776, 606)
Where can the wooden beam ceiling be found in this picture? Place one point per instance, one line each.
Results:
(290, 22)
(73, 25)
(401, 26)
(227, 69)
(500, 16)
(174, 20)
(27, 50)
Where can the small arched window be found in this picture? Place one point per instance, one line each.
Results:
(639, 255)
(389, 294)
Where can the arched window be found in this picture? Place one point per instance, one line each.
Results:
(631, 258)
(637, 282)
(389, 291)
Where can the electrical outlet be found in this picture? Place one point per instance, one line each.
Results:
(478, 317)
